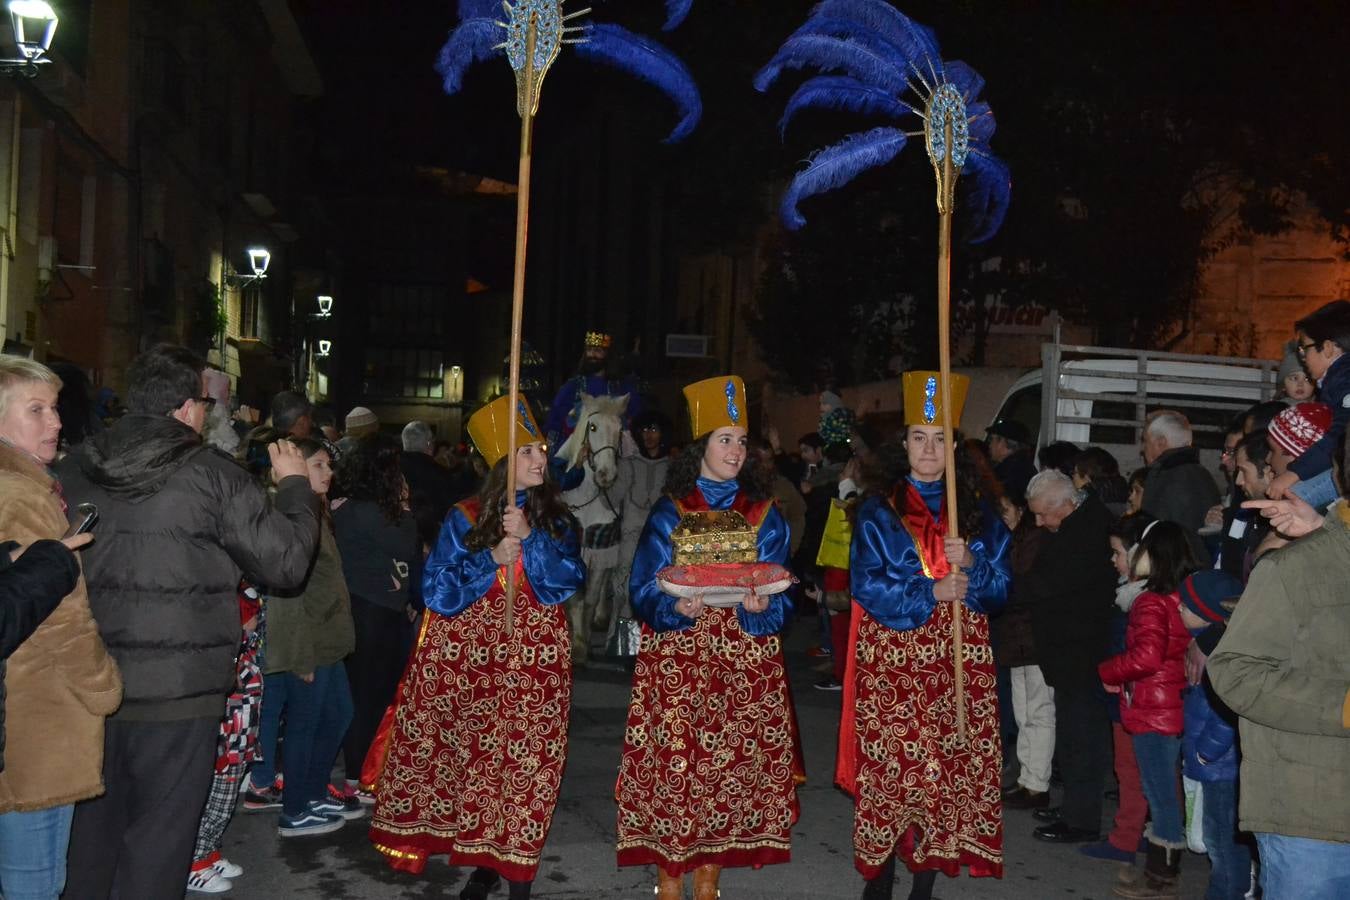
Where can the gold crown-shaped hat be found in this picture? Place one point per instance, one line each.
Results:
(598, 339)
(716, 403)
(489, 428)
(923, 398)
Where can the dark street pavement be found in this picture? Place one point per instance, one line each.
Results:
(579, 857)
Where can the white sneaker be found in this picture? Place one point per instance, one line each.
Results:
(208, 881)
(227, 869)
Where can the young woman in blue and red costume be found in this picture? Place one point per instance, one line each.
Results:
(707, 778)
(479, 738)
(919, 795)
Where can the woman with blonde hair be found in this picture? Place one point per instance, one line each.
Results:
(60, 683)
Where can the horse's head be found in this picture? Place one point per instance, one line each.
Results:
(598, 431)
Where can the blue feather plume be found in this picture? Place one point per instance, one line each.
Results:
(652, 63)
(916, 42)
(843, 93)
(981, 120)
(473, 41)
(967, 80)
(676, 10)
(833, 54)
(883, 56)
(839, 164)
(988, 195)
(479, 9)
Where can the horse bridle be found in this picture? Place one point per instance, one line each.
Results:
(591, 456)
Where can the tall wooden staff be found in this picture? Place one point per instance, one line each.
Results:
(946, 198)
(527, 102)
(535, 31)
(889, 62)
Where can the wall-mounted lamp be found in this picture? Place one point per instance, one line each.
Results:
(325, 306)
(454, 385)
(259, 258)
(324, 347)
(34, 25)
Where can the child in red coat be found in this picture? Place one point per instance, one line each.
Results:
(1152, 676)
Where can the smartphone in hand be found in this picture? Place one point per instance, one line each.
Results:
(85, 520)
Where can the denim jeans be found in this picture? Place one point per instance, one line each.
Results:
(1295, 868)
(1230, 854)
(33, 853)
(317, 716)
(264, 771)
(1159, 757)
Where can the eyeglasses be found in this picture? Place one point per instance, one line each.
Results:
(651, 427)
(208, 402)
(1228, 452)
(1303, 348)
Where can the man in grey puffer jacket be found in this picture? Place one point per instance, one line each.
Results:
(179, 525)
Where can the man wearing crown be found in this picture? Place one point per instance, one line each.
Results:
(922, 796)
(594, 376)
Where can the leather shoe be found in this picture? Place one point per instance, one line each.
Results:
(1047, 814)
(1063, 833)
(1025, 799)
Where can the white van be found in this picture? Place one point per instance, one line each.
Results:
(1100, 396)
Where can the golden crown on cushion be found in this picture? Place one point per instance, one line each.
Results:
(598, 339)
(489, 427)
(923, 398)
(716, 403)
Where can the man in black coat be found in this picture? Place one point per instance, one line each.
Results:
(179, 525)
(1179, 489)
(1073, 583)
(432, 488)
(1010, 451)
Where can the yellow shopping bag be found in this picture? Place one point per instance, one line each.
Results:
(838, 535)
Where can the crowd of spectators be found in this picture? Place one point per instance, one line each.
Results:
(254, 574)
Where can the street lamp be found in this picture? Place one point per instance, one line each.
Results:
(34, 23)
(325, 306)
(258, 259)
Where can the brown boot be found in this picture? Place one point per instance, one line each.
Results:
(705, 882)
(1162, 870)
(669, 887)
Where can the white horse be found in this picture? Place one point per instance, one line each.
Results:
(598, 504)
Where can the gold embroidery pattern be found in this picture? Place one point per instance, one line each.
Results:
(480, 737)
(707, 762)
(910, 770)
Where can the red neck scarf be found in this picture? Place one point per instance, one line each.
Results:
(926, 532)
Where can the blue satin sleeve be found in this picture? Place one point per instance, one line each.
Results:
(553, 565)
(654, 552)
(773, 547)
(455, 576)
(991, 574)
(885, 573)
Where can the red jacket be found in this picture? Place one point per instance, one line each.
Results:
(1152, 669)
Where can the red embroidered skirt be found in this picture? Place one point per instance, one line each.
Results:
(479, 740)
(919, 795)
(707, 774)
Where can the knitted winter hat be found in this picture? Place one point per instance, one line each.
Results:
(1211, 594)
(1289, 364)
(1300, 426)
(361, 421)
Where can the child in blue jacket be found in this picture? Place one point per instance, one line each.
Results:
(1209, 751)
